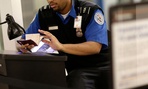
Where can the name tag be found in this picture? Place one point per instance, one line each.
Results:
(53, 28)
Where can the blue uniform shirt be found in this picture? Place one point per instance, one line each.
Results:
(95, 31)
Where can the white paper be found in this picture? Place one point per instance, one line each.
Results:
(34, 37)
(42, 47)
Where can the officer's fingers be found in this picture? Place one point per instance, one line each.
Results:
(23, 50)
(30, 46)
(24, 46)
(46, 40)
(45, 33)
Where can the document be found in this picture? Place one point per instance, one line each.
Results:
(42, 47)
(36, 40)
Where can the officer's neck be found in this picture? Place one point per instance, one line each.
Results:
(67, 8)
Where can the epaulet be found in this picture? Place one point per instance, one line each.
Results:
(44, 8)
(85, 6)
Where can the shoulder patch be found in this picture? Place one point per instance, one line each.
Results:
(99, 18)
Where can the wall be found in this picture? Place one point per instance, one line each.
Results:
(107, 5)
(1, 38)
(30, 11)
(13, 7)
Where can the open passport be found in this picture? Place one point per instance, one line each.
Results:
(39, 46)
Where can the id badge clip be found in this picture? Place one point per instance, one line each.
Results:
(77, 25)
(78, 22)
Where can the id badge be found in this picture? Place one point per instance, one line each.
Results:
(78, 22)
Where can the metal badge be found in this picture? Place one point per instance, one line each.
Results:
(79, 32)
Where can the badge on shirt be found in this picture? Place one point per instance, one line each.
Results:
(77, 25)
(99, 18)
(79, 32)
(78, 22)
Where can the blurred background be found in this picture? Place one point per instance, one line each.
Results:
(25, 10)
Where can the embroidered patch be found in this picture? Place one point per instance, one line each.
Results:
(99, 18)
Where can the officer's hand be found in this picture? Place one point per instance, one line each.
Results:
(25, 48)
(51, 40)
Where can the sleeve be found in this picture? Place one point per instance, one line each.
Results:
(33, 27)
(97, 29)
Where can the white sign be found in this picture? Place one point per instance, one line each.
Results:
(130, 53)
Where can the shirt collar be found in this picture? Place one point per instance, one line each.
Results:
(72, 12)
